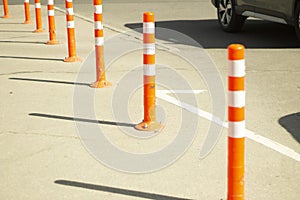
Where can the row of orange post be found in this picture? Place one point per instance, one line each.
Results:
(72, 57)
(71, 41)
(149, 123)
(236, 90)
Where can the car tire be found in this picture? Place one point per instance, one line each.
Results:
(228, 19)
(297, 20)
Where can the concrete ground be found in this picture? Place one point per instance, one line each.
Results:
(46, 155)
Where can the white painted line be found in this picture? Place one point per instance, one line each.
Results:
(129, 33)
(190, 108)
(181, 91)
(273, 145)
(249, 134)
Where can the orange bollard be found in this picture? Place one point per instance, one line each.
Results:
(236, 122)
(149, 123)
(51, 23)
(27, 12)
(71, 33)
(99, 48)
(38, 16)
(5, 9)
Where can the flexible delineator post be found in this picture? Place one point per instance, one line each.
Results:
(71, 33)
(99, 47)
(27, 12)
(149, 123)
(236, 122)
(38, 16)
(51, 23)
(5, 9)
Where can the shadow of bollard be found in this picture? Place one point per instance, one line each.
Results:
(292, 124)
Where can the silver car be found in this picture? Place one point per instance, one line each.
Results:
(233, 13)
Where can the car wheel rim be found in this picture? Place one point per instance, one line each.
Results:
(225, 12)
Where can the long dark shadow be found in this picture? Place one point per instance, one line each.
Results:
(31, 58)
(82, 120)
(22, 42)
(11, 22)
(14, 31)
(292, 124)
(114, 190)
(49, 81)
(207, 32)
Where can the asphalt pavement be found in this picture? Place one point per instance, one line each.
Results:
(52, 146)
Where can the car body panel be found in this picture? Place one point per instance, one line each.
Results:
(281, 11)
(282, 7)
(246, 2)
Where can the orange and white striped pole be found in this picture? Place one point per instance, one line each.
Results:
(38, 16)
(27, 12)
(51, 23)
(236, 122)
(149, 123)
(99, 47)
(5, 9)
(71, 33)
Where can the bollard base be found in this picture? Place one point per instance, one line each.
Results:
(72, 59)
(100, 84)
(27, 22)
(38, 31)
(6, 16)
(149, 126)
(52, 42)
